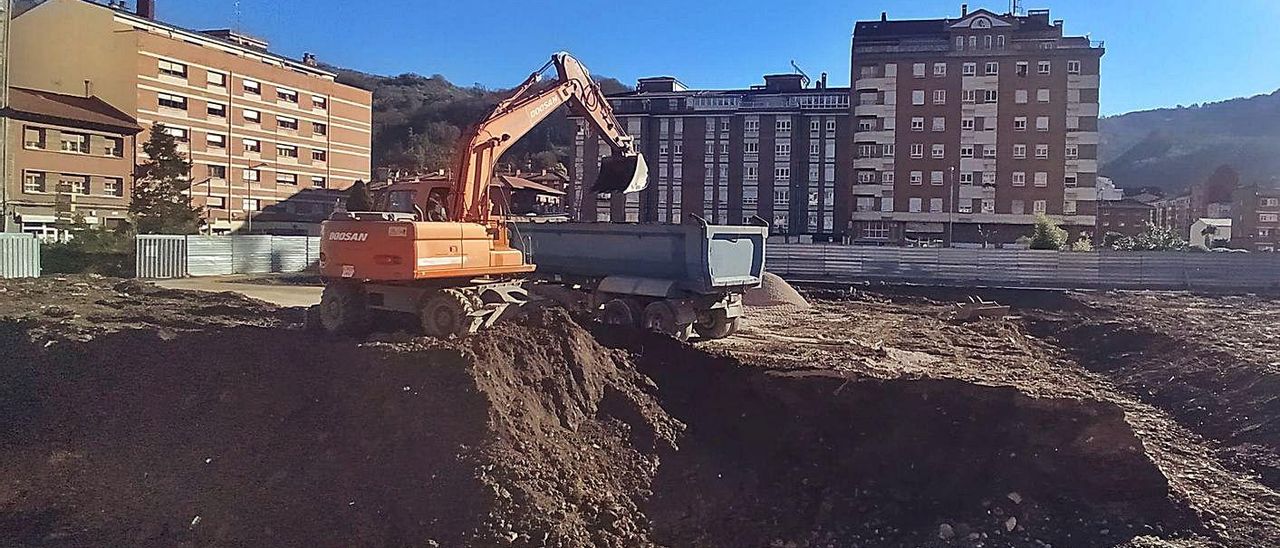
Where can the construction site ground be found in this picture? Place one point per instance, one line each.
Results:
(137, 415)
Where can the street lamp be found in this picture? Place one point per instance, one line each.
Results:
(951, 205)
(248, 195)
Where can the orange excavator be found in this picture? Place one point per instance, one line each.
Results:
(456, 269)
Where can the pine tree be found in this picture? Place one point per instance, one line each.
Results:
(159, 204)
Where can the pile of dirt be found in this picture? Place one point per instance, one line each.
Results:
(541, 433)
(774, 292)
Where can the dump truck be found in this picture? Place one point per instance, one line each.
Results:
(676, 279)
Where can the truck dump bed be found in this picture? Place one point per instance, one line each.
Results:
(702, 259)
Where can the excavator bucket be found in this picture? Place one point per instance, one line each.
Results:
(625, 174)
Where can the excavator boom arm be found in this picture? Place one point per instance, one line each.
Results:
(514, 117)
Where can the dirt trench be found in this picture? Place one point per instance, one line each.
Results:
(540, 434)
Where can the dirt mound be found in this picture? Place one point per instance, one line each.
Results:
(774, 291)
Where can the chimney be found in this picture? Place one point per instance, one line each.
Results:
(147, 9)
(964, 10)
(309, 59)
(88, 88)
(822, 81)
(884, 16)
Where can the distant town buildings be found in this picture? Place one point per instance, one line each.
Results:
(771, 151)
(259, 127)
(1255, 215)
(1125, 217)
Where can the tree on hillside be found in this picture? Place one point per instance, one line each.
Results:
(159, 204)
(1221, 184)
(1047, 234)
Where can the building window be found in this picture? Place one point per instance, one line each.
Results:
(969, 96)
(252, 205)
(987, 41)
(1000, 41)
(938, 151)
(1042, 152)
(214, 140)
(218, 110)
(1042, 123)
(1069, 181)
(782, 173)
(319, 155)
(866, 124)
(966, 151)
(319, 102)
(959, 42)
(1268, 218)
(1019, 152)
(917, 70)
(831, 126)
(1042, 179)
(1018, 207)
(33, 182)
(991, 95)
(318, 182)
(1020, 123)
(917, 97)
(1069, 207)
(966, 178)
(287, 151)
(1020, 96)
(935, 178)
(989, 178)
(939, 69)
(285, 122)
(917, 177)
(886, 178)
(914, 205)
(75, 142)
(286, 179)
(75, 184)
(252, 175)
(887, 151)
(252, 116)
(216, 79)
(176, 102)
(973, 42)
(1043, 67)
(867, 150)
(782, 150)
(215, 202)
(1021, 69)
(917, 150)
(179, 134)
(217, 171)
(1042, 95)
(113, 146)
(252, 145)
(935, 205)
(988, 151)
(287, 95)
(1270, 202)
(1073, 67)
(173, 68)
(113, 186)
(939, 123)
(751, 125)
(1039, 207)
(781, 196)
(967, 124)
(939, 96)
(969, 69)
(1019, 178)
(782, 125)
(1073, 152)
(992, 68)
(252, 87)
(866, 177)
(33, 137)
(318, 128)
(917, 123)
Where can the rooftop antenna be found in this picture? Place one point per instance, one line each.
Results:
(804, 78)
(1015, 7)
(237, 16)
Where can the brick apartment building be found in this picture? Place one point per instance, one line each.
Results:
(771, 151)
(971, 126)
(259, 127)
(73, 153)
(1126, 217)
(1255, 221)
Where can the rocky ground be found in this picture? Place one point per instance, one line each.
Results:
(137, 416)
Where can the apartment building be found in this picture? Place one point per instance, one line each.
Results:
(1255, 221)
(71, 156)
(966, 128)
(259, 127)
(771, 151)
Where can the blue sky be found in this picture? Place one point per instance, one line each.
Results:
(1159, 53)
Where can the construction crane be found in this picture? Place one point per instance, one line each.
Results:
(447, 257)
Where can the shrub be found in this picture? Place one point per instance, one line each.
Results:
(1047, 235)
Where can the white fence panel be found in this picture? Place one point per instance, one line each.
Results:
(19, 256)
(160, 256)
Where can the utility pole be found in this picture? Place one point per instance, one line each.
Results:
(6, 219)
(951, 204)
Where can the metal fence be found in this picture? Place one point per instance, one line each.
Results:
(161, 256)
(19, 256)
(1026, 268)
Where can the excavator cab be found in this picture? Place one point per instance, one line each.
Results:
(624, 173)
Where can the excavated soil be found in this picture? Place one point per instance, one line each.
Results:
(137, 416)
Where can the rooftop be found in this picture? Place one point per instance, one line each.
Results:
(73, 110)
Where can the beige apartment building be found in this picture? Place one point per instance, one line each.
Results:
(258, 127)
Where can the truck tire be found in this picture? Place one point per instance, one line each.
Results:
(718, 326)
(446, 313)
(660, 317)
(343, 309)
(620, 311)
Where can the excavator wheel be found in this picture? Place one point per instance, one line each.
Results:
(447, 312)
(660, 317)
(343, 308)
(624, 312)
(718, 326)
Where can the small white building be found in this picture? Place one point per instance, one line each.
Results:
(1209, 232)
